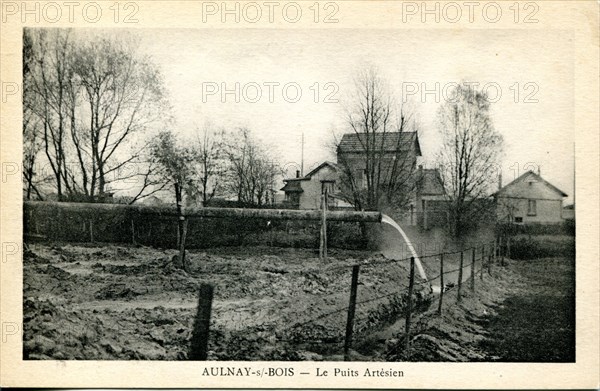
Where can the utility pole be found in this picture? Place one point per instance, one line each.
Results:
(302, 158)
(574, 177)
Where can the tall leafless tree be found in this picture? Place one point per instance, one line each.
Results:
(122, 94)
(251, 170)
(388, 171)
(92, 95)
(33, 142)
(208, 151)
(48, 77)
(469, 156)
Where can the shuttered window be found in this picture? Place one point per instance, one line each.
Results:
(532, 208)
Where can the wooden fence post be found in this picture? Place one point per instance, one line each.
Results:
(508, 247)
(473, 270)
(441, 283)
(500, 250)
(182, 260)
(323, 241)
(411, 283)
(460, 276)
(133, 232)
(351, 310)
(91, 230)
(496, 250)
(482, 262)
(199, 342)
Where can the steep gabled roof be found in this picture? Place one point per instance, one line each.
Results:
(313, 172)
(509, 192)
(391, 141)
(319, 167)
(431, 183)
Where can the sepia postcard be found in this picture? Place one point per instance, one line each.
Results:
(300, 194)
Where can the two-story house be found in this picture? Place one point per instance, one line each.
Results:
(395, 152)
(398, 153)
(304, 192)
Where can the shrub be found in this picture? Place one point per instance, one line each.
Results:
(47, 221)
(566, 227)
(533, 248)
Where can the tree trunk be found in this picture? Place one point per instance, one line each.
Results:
(182, 228)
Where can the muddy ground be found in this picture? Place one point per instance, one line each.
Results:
(92, 302)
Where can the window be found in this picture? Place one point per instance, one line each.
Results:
(531, 208)
(295, 199)
(359, 177)
(329, 185)
(518, 219)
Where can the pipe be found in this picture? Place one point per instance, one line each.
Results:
(238, 213)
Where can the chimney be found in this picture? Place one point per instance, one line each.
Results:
(499, 181)
(539, 170)
(297, 173)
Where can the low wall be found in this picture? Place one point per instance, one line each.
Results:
(50, 221)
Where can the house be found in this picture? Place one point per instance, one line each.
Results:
(397, 151)
(430, 201)
(529, 199)
(305, 192)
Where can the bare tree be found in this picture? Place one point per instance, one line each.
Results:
(251, 170)
(175, 164)
(470, 154)
(49, 76)
(91, 96)
(208, 151)
(379, 168)
(32, 126)
(121, 95)
(148, 179)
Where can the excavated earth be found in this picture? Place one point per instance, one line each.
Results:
(119, 303)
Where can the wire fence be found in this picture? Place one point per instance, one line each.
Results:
(366, 305)
(378, 291)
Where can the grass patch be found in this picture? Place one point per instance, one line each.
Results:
(532, 247)
(537, 325)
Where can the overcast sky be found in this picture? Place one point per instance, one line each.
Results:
(522, 66)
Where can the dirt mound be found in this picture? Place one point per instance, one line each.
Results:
(116, 291)
(269, 303)
(30, 257)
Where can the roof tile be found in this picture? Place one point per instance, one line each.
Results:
(391, 141)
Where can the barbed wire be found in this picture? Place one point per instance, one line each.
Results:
(381, 297)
